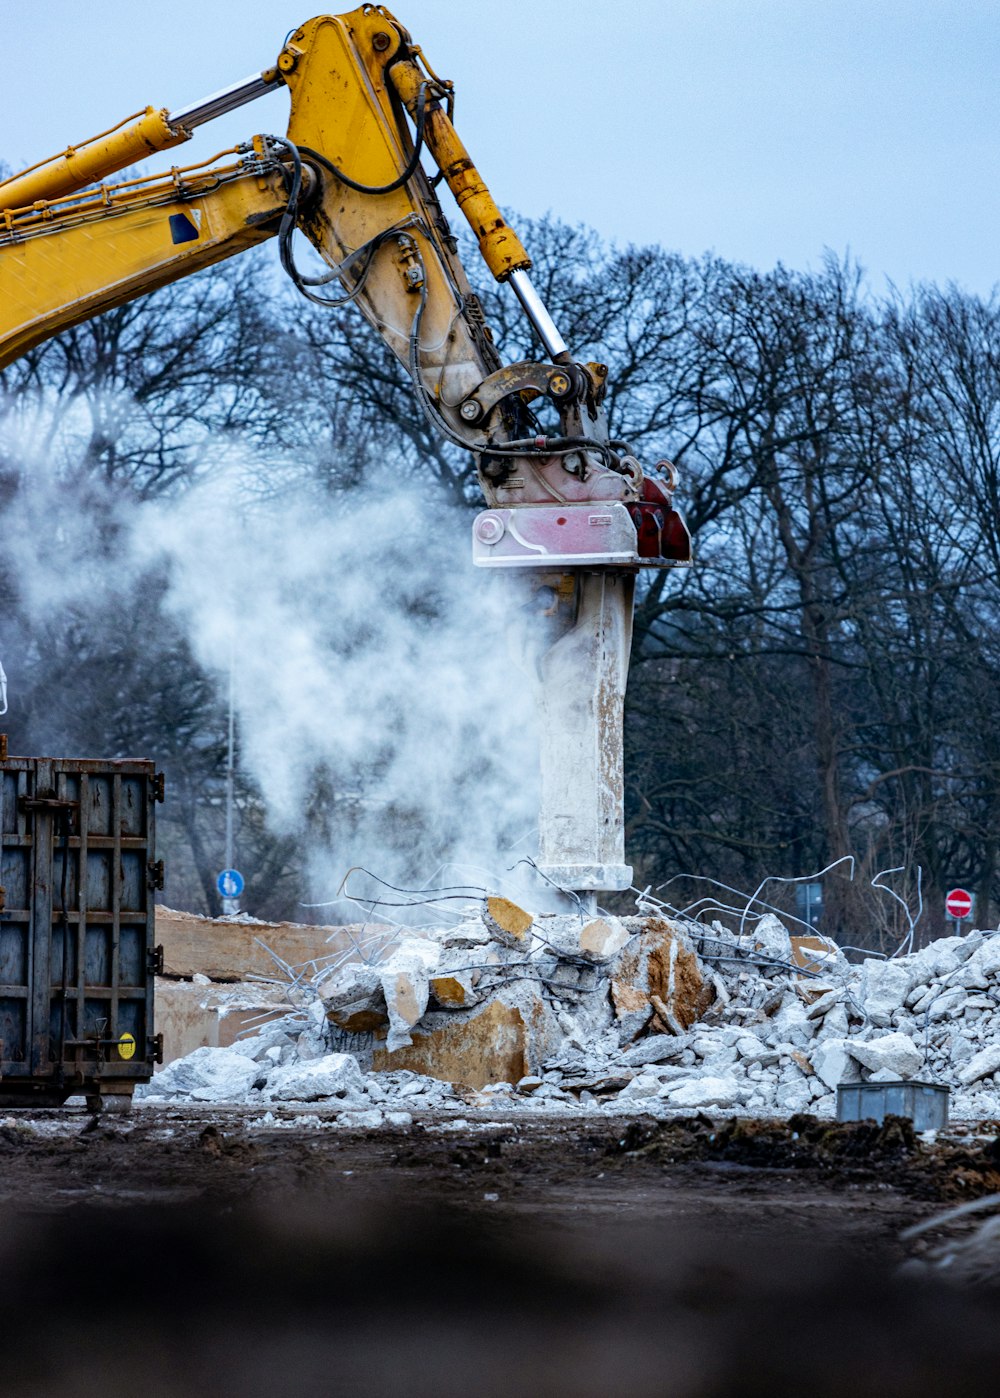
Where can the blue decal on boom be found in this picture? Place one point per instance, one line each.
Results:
(182, 230)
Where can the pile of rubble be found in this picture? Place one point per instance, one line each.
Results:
(647, 1014)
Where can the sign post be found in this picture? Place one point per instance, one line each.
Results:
(230, 885)
(809, 903)
(958, 905)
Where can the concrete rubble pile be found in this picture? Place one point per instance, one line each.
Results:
(646, 1014)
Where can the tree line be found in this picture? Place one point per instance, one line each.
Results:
(823, 683)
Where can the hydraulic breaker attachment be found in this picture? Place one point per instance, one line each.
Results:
(608, 534)
(574, 642)
(576, 638)
(597, 533)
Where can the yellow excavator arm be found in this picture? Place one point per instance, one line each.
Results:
(365, 105)
(570, 510)
(67, 259)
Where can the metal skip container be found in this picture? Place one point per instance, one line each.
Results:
(77, 960)
(925, 1103)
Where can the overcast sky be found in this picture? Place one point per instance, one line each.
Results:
(764, 130)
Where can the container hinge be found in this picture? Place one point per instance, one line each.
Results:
(154, 871)
(154, 1049)
(158, 786)
(154, 961)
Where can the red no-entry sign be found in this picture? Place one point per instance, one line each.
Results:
(958, 904)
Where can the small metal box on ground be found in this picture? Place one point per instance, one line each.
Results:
(77, 960)
(925, 1103)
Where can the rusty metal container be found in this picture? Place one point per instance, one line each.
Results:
(77, 960)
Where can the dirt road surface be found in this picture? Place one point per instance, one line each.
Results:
(227, 1251)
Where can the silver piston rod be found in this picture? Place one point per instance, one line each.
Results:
(227, 99)
(534, 308)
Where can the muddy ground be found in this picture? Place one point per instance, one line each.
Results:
(212, 1250)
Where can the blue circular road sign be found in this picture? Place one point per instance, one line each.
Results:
(230, 883)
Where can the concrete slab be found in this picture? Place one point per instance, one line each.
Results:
(229, 950)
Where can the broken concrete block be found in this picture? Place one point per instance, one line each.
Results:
(770, 1000)
(925, 994)
(361, 1121)
(811, 990)
(826, 1002)
(970, 977)
(792, 1021)
(986, 960)
(406, 992)
(405, 980)
(334, 1075)
(470, 932)
(770, 936)
(454, 992)
(353, 999)
(210, 1016)
(664, 1013)
(507, 923)
(884, 988)
(659, 963)
(958, 1048)
(311, 1045)
(720, 1060)
(940, 958)
(793, 1096)
(356, 984)
(982, 1064)
(814, 952)
(658, 1048)
(895, 1052)
(501, 1040)
(362, 1021)
(722, 996)
(754, 1050)
(644, 1085)
(708, 1091)
(265, 1046)
(226, 949)
(603, 938)
(207, 1075)
(834, 1024)
(833, 1063)
(942, 1005)
(673, 1072)
(603, 1085)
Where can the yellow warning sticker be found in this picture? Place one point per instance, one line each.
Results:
(126, 1046)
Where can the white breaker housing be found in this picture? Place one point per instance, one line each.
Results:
(576, 651)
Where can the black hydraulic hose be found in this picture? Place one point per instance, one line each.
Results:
(401, 179)
(363, 255)
(529, 446)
